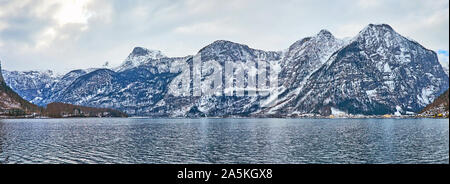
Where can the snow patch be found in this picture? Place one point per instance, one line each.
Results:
(337, 112)
(399, 110)
(425, 96)
(387, 68)
(371, 93)
(390, 84)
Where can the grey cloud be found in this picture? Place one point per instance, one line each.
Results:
(180, 28)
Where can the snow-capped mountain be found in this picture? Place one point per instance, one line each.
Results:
(31, 84)
(59, 85)
(41, 87)
(143, 89)
(221, 106)
(376, 72)
(302, 59)
(138, 57)
(132, 91)
(11, 100)
(223, 50)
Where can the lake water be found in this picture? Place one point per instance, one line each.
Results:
(244, 141)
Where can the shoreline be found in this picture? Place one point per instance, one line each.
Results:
(149, 117)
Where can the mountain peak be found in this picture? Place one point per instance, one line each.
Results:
(378, 33)
(226, 43)
(139, 56)
(221, 45)
(376, 29)
(325, 33)
(380, 26)
(141, 51)
(222, 42)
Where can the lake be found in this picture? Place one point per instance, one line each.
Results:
(244, 141)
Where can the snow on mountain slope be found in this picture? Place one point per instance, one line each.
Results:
(11, 100)
(38, 87)
(134, 91)
(378, 72)
(138, 57)
(225, 51)
(31, 85)
(301, 60)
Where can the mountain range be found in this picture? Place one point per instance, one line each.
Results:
(376, 72)
(12, 102)
(13, 105)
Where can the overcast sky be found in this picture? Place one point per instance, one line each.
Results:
(62, 35)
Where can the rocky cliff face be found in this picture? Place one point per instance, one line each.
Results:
(307, 55)
(302, 59)
(377, 72)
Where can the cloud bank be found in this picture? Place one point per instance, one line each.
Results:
(69, 34)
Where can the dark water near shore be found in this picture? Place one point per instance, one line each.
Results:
(224, 141)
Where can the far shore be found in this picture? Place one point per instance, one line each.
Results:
(234, 117)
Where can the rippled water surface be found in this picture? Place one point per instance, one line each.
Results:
(224, 141)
